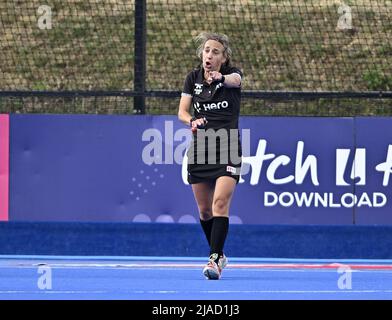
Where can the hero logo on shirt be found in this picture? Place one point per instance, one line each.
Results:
(211, 106)
(197, 106)
(198, 88)
(214, 106)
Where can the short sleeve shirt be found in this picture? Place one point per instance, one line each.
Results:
(218, 104)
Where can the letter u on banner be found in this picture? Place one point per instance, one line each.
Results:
(4, 166)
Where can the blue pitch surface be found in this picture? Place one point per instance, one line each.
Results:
(160, 278)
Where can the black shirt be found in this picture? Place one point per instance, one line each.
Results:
(220, 105)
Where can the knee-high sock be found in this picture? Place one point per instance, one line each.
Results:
(220, 227)
(207, 228)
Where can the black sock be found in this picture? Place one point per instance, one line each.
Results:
(207, 227)
(219, 231)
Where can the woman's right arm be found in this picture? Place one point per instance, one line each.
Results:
(184, 109)
(185, 116)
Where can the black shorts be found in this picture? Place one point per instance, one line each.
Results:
(211, 172)
(209, 161)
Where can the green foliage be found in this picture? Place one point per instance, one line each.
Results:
(378, 81)
(278, 44)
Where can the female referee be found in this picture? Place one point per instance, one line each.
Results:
(214, 159)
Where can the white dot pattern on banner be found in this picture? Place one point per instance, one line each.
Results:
(165, 218)
(187, 218)
(235, 220)
(141, 218)
(139, 189)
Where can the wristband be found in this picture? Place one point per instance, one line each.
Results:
(222, 79)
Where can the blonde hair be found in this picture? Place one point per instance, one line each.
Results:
(223, 39)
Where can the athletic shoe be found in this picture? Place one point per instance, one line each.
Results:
(212, 270)
(222, 263)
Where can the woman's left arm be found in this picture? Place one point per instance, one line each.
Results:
(232, 80)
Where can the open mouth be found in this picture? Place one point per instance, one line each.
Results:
(208, 65)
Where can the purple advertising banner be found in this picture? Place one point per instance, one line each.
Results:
(374, 150)
(132, 168)
(4, 166)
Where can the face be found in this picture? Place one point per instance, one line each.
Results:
(213, 56)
